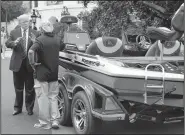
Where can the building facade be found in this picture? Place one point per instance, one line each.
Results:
(54, 8)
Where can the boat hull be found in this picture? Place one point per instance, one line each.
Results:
(127, 87)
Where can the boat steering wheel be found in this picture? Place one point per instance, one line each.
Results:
(143, 42)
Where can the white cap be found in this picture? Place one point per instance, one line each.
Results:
(47, 26)
(52, 19)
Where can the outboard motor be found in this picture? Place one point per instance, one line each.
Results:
(167, 39)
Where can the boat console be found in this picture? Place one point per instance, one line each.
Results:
(77, 39)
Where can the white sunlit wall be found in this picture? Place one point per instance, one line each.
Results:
(54, 8)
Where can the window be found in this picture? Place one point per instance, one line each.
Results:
(54, 3)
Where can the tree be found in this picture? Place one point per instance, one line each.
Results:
(110, 17)
(86, 2)
(11, 10)
(83, 16)
(162, 10)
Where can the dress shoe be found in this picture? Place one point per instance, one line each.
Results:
(16, 112)
(30, 113)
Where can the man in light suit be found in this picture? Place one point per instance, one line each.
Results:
(20, 40)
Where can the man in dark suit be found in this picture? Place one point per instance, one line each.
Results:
(20, 40)
(30, 25)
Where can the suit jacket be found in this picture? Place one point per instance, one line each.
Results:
(17, 54)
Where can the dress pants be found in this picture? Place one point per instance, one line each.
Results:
(47, 93)
(24, 79)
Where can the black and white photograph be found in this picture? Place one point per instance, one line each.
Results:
(92, 67)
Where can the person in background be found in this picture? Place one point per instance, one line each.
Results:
(59, 28)
(3, 40)
(20, 40)
(46, 75)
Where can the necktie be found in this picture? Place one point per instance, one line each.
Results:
(24, 44)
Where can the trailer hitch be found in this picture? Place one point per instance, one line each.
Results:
(173, 119)
(134, 116)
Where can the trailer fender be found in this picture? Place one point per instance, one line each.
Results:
(88, 89)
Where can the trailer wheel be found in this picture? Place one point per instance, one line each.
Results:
(83, 121)
(64, 105)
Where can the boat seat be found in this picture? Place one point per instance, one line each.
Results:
(163, 33)
(106, 47)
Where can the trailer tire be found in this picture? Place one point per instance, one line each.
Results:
(81, 102)
(65, 119)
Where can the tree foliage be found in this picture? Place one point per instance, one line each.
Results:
(12, 8)
(111, 17)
